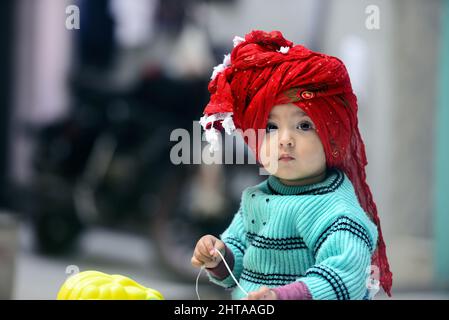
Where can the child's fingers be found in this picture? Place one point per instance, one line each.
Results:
(202, 247)
(253, 295)
(262, 294)
(264, 290)
(209, 244)
(219, 245)
(201, 256)
(265, 293)
(195, 262)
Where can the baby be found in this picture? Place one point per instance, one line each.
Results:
(311, 230)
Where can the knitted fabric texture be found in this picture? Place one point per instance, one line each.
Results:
(265, 70)
(317, 234)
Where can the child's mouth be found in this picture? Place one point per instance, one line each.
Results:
(286, 158)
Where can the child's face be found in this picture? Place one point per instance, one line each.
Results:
(291, 149)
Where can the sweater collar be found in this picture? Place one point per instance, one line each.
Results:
(334, 178)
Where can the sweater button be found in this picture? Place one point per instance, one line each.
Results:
(252, 221)
(253, 195)
(267, 200)
(264, 223)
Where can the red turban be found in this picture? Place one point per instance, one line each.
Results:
(265, 70)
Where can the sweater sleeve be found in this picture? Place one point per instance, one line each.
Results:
(234, 238)
(342, 247)
(293, 291)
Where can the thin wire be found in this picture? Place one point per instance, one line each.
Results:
(230, 272)
(197, 278)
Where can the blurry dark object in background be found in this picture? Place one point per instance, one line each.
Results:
(96, 35)
(6, 63)
(171, 15)
(105, 163)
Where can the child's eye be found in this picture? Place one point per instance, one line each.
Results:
(270, 127)
(305, 125)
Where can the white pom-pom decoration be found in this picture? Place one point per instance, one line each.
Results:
(211, 133)
(227, 60)
(221, 67)
(217, 70)
(228, 124)
(212, 138)
(284, 50)
(237, 40)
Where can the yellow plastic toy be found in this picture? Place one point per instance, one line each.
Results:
(94, 285)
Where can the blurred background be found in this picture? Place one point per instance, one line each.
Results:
(86, 112)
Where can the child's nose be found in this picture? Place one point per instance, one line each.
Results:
(286, 139)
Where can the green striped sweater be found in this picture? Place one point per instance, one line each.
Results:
(317, 234)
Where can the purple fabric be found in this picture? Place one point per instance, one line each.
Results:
(293, 291)
(220, 270)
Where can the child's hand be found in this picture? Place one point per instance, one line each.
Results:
(264, 293)
(205, 253)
